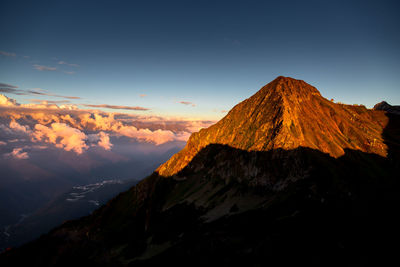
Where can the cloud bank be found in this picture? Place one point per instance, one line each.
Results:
(77, 130)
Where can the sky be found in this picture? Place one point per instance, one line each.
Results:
(196, 59)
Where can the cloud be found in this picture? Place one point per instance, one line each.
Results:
(7, 54)
(5, 101)
(76, 129)
(115, 107)
(43, 68)
(11, 89)
(19, 128)
(69, 72)
(187, 103)
(38, 91)
(46, 102)
(158, 137)
(68, 64)
(62, 136)
(104, 141)
(2, 143)
(8, 85)
(102, 138)
(69, 138)
(142, 95)
(18, 154)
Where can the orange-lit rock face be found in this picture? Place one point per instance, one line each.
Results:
(289, 113)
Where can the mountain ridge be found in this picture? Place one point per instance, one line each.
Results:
(288, 113)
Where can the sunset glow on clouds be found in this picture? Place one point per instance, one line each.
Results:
(72, 129)
(17, 153)
(62, 136)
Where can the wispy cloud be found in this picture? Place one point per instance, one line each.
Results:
(142, 95)
(69, 72)
(7, 54)
(68, 64)
(49, 101)
(43, 68)
(115, 107)
(187, 103)
(8, 85)
(12, 89)
(39, 91)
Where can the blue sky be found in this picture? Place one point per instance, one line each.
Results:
(213, 54)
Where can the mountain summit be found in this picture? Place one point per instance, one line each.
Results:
(288, 113)
(286, 178)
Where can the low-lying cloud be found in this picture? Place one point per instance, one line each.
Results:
(17, 153)
(62, 136)
(77, 130)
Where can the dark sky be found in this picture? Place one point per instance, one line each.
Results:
(210, 53)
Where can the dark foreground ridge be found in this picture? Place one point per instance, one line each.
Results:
(249, 207)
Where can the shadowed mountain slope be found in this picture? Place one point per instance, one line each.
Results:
(387, 107)
(289, 199)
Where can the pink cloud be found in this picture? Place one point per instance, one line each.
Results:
(20, 128)
(69, 128)
(62, 135)
(18, 154)
(187, 103)
(104, 141)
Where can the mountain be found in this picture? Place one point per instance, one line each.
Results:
(288, 114)
(387, 107)
(286, 177)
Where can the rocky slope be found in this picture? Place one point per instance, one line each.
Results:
(289, 113)
(286, 178)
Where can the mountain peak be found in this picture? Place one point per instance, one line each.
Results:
(290, 87)
(385, 106)
(286, 114)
